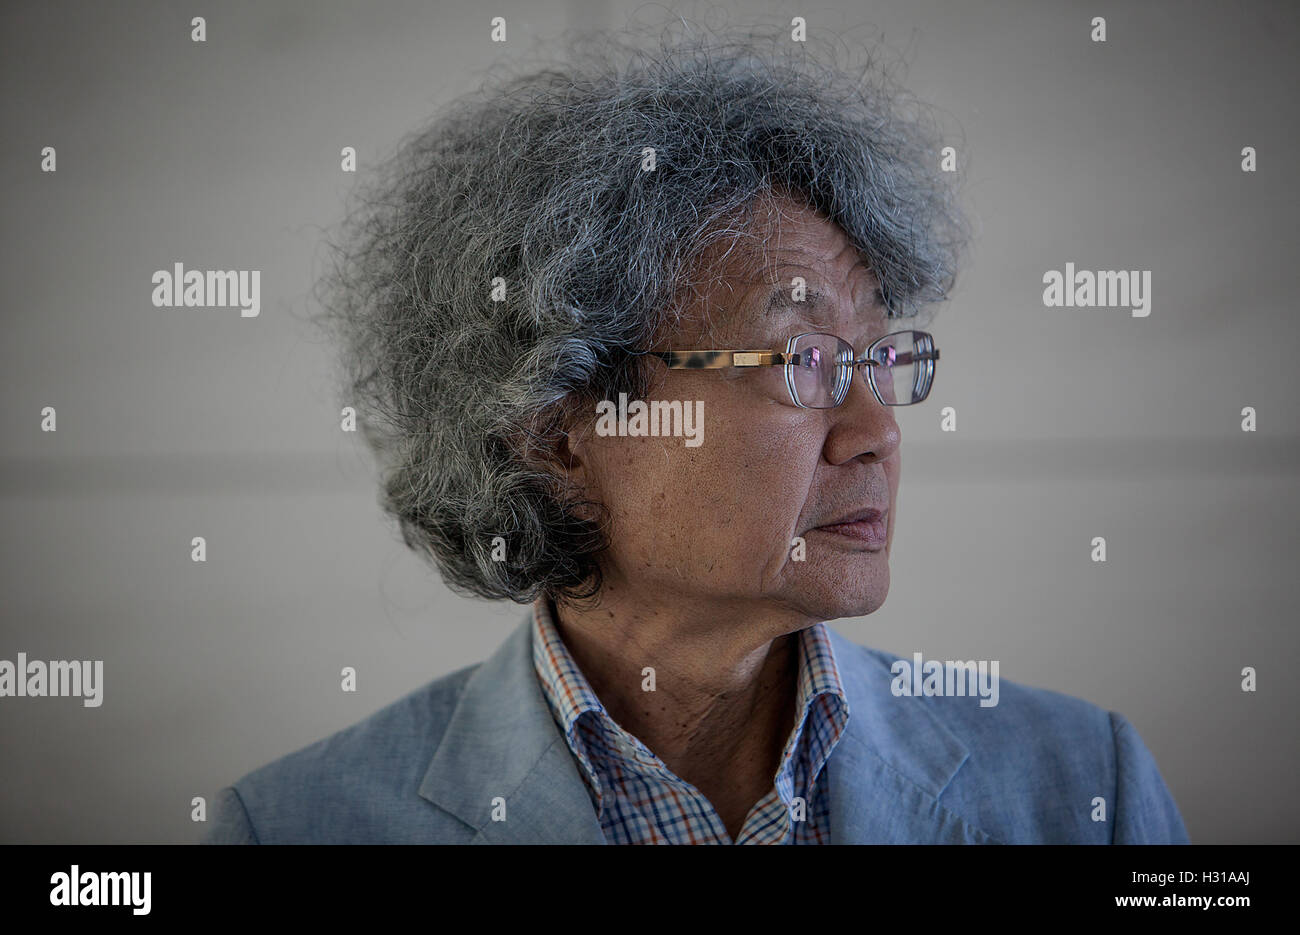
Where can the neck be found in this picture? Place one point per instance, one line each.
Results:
(724, 693)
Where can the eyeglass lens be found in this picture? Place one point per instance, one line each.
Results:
(820, 372)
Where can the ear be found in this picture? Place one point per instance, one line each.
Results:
(566, 455)
(575, 458)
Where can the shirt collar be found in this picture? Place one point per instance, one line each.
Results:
(821, 703)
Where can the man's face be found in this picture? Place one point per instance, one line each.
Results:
(718, 523)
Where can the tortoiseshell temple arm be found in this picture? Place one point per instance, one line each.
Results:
(716, 360)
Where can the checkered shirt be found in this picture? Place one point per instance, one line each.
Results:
(640, 801)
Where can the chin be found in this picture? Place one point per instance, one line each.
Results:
(858, 590)
(836, 606)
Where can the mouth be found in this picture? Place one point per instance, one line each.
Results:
(870, 528)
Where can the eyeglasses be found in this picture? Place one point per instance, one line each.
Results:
(818, 368)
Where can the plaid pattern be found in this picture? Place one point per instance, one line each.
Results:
(640, 801)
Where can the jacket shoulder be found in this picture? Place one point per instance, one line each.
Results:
(1046, 767)
(358, 785)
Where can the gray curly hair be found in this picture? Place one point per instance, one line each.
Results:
(538, 179)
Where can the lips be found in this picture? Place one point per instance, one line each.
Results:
(868, 526)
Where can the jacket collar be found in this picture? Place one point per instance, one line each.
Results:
(502, 741)
(891, 764)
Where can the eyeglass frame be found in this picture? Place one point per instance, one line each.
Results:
(717, 360)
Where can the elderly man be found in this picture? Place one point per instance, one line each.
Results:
(739, 236)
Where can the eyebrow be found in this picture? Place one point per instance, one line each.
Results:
(779, 299)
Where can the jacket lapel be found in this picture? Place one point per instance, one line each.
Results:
(892, 763)
(503, 742)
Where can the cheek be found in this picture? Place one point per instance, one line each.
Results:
(723, 508)
(646, 487)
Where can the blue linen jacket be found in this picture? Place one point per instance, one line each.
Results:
(908, 770)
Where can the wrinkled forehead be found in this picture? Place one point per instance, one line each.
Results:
(789, 269)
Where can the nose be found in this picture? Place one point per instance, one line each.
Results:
(861, 426)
